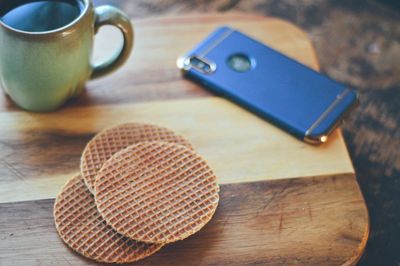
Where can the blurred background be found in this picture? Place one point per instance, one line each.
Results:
(357, 43)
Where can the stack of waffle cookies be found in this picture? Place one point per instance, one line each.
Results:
(140, 187)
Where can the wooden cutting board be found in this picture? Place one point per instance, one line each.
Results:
(282, 201)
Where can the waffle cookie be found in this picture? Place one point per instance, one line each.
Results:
(82, 228)
(114, 139)
(156, 192)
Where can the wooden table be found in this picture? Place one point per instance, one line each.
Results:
(282, 201)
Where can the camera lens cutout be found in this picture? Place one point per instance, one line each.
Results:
(202, 65)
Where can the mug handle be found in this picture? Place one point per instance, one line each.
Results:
(108, 15)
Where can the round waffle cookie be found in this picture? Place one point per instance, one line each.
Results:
(82, 228)
(156, 192)
(114, 139)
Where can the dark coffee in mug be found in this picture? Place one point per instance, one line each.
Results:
(39, 16)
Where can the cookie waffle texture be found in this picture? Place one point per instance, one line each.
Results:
(114, 139)
(82, 228)
(156, 192)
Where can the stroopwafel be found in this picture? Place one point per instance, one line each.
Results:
(114, 139)
(156, 192)
(82, 228)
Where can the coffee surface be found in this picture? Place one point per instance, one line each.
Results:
(40, 16)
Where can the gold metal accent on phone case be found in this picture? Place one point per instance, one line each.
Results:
(324, 137)
(183, 62)
(216, 42)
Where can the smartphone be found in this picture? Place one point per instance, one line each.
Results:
(266, 82)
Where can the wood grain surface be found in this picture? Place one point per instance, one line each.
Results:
(282, 201)
(240, 146)
(280, 222)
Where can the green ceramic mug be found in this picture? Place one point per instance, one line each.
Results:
(41, 70)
